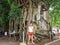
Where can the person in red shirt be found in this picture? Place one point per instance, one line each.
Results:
(30, 33)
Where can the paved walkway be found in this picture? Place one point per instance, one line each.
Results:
(6, 41)
(55, 42)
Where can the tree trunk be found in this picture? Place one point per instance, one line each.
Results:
(10, 28)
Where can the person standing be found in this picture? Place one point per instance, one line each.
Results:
(30, 33)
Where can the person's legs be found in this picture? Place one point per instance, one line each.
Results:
(28, 38)
(32, 38)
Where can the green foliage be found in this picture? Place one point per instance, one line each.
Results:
(4, 9)
(1, 21)
(9, 10)
(15, 12)
(55, 14)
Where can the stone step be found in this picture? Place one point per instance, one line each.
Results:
(23, 43)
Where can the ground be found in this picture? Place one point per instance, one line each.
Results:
(55, 42)
(7, 41)
(44, 41)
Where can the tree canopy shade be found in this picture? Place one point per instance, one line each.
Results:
(8, 10)
(4, 10)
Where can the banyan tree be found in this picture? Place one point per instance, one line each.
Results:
(37, 12)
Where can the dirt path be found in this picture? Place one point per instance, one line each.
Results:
(43, 42)
(6, 41)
